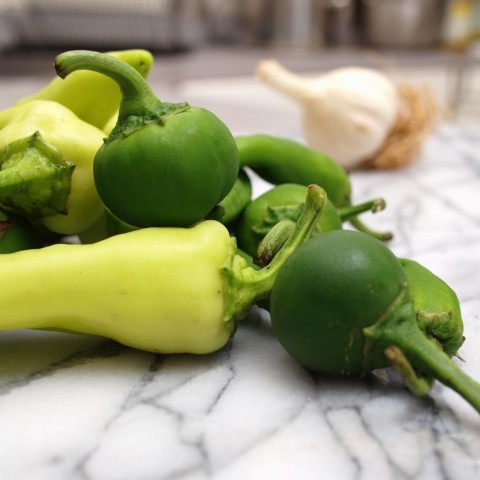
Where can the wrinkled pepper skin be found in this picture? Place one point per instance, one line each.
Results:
(279, 203)
(93, 97)
(436, 306)
(73, 141)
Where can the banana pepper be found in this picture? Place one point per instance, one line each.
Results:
(46, 174)
(167, 289)
(93, 97)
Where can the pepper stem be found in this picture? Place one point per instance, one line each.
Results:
(361, 227)
(247, 285)
(398, 327)
(139, 104)
(35, 179)
(350, 213)
(374, 206)
(273, 242)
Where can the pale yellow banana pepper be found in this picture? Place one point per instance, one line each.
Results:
(93, 97)
(167, 290)
(46, 172)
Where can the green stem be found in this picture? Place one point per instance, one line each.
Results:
(247, 285)
(361, 227)
(35, 179)
(398, 327)
(139, 102)
(273, 242)
(350, 213)
(137, 95)
(417, 384)
(374, 206)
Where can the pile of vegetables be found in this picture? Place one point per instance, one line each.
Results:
(173, 250)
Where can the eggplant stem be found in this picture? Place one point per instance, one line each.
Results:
(374, 206)
(398, 327)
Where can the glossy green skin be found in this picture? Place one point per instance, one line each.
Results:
(283, 160)
(17, 234)
(287, 195)
(331, 288)
(168, 175)
(233, 204)
(436, 306)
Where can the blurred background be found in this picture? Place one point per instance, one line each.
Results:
(430, 40)
(175, 25)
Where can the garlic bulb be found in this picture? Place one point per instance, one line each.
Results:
(348, 112)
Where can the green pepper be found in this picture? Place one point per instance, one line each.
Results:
(436, 306)
(281, 160)
(165, 290)
(16, 234)
(284, 202)
(232, 206)
(93, 97)
(163, 164)
(46, 157)
(341, 305)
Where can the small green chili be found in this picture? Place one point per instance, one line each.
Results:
(282, 160)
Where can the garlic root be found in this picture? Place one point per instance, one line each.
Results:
(417, 116)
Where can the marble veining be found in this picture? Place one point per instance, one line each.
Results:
(84, 408)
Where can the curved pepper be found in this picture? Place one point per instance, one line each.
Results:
(93, 97)
(167, 290)
(163, 164)
(46, 174)
(231, 207)
(283, 160)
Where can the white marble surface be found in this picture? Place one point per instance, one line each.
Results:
(82, 408)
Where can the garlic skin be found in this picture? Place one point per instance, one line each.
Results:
(347, 112)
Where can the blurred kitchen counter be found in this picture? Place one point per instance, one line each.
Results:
(232, 60)
(194, 71)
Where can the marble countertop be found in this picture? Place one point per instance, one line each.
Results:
(84, 408)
